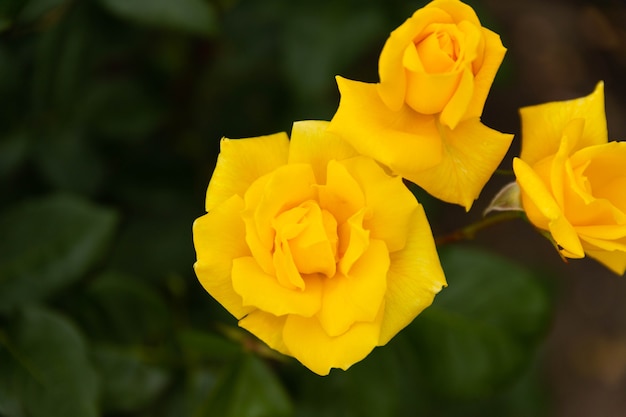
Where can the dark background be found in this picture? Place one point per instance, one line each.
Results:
(110, 121)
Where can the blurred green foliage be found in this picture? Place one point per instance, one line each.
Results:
(111, 115)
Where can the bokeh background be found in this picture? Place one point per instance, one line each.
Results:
(111, 112)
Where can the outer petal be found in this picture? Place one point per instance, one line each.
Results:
(241, 161)
(457, 10)
(493, 55)
(543, 124)
(219, 238)
(415, 276)
(312, 144)
(615, 261)
(267, 327)
(391, 70)
(387, 222)
(472, 152)
(356, 297)
(342, 194)
(544, 212)
(307, 342)
(264, 292)
(403, 140)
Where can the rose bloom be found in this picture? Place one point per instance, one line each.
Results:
(315, 249)
(572, 181)
(422, 119)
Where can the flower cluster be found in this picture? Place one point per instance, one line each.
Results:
(573, 181)
(314, 242)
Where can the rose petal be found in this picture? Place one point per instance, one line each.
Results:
(402, 140)
(605, 171)
(459, 11)
(615, 261)
(306, 341)
(353, 241)
(219, 238)
(387, 222)
(355, 297)
(392, 85)
(312, 144)
(456, 107)
(264, 292)
(472, 152)
(543, 125)
(429, 93)
(606, 232)
(543, 211)
(286, 187)
(485, 71)
(560, 167)
(267, 327)
(241, 162)
(342, 194)
(415, 276)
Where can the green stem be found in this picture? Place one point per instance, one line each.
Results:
(469, 232)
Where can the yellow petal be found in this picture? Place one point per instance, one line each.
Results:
(241, 161)
(484, 75)
(606, 232)
(355, 297)
(459, 11)
(566, 237)
(389, 200)
(312, 144)
(314, 249)
(561, 166)
(353, 241)
(402, 140)
(267, 327)
(286, 187)
(342, 194)
(543, 124)
(615, 261)
(264, 292)
(429, 93)
(606, 245)
(605, 171)
(543, 211)
(392, 85)
(415, 276)
(456, 108)
(306, 341)
(472, 152)
(219, 238)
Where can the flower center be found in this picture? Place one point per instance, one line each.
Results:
(305, 243)
(439, 50)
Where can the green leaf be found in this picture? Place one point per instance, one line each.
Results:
(63, 154)
(248, 389)
(13, 150)
(128, 381)
(120, 308)
(45, 369)
(120, 110)
(482, 330)
(385, 384)
(195, 16)
(47, 244)
(34, 9)
(201, 346)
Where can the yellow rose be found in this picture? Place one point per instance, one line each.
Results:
(423, 119)
(572, 181)
(315, 249)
